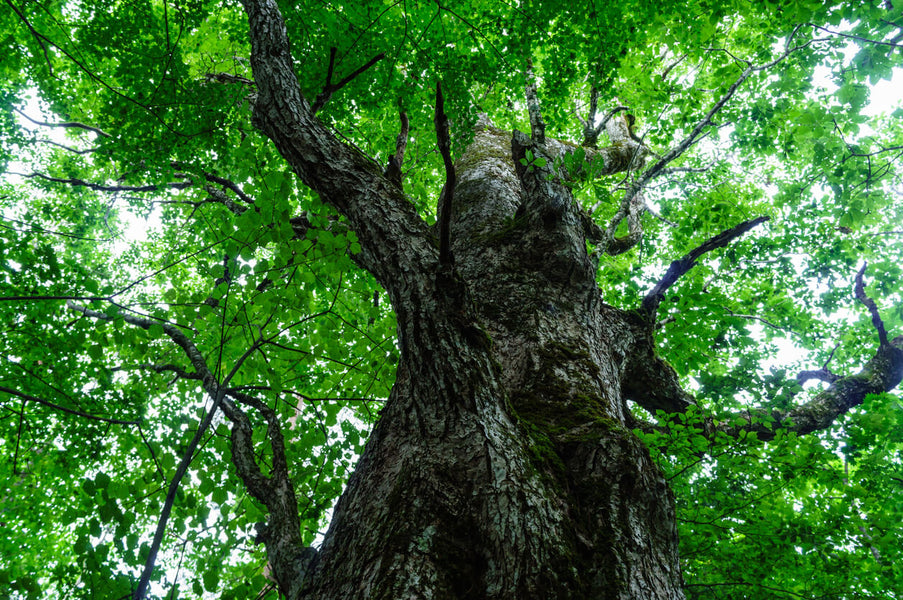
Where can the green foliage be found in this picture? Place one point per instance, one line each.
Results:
(80, 496)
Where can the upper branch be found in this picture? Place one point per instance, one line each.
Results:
(537, 125)
(393, 169)
(330, 88)
(448, 192)
(870, 304)
(688, 261)
(393, 237)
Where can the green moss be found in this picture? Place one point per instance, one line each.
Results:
(486, 145)
(561, 405)
(512, 229)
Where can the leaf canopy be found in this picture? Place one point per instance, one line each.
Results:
(135, 183)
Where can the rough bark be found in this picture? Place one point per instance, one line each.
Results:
(502, 466)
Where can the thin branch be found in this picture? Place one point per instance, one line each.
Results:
(679, 267)
(69, 124)
(30, 298)
(330, 88)
(75, 182)
(746, 584)
(229, 78)
(212, 387)
(31, 227)
(448, 192)
(667, 70)
(658, 216)
(34, 34)
(67, 148)
(706, 121)
(70, 411)
(228, 183)
(608, 117)
(856, 37)
(859, 291)
(179, 371)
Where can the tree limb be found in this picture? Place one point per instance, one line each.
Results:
(393, 169)
(679, 267)
(75, 182)
(880, 374)
(394, 239)
(870, 305)
(448, 191)
(537, 125)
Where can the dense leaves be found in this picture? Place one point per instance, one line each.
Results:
(136, 184)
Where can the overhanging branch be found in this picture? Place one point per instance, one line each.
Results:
(679, 267)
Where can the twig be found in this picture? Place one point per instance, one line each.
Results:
(69, 124)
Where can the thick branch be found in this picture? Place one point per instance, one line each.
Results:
(881, 374)
(632, 207)
(537, 125)
(679, 267)
(393, 238)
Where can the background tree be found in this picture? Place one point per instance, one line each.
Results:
(243, 246)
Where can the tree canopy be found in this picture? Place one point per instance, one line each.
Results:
(154, 240)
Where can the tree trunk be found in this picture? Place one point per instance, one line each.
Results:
(502, 465)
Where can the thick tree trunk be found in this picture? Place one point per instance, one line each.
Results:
(502, 466)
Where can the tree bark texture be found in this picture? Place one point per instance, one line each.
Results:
(502, 466)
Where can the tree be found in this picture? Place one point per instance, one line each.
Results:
(565, 348)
